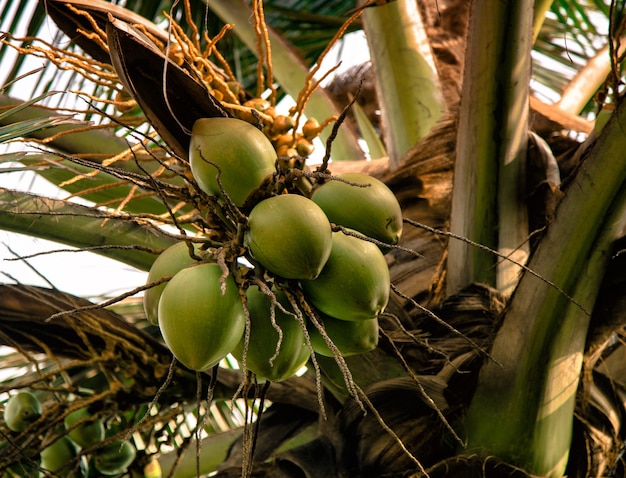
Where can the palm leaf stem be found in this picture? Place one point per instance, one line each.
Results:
(588, 80)
(47, 218)
(409, 92)
(539, 348)
(541, 8)
(491, 147)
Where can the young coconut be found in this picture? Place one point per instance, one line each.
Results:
(22, 409)
(115, 458)
(199, 323)
(290, 236)
(372, 210)
(351, 337)
(87, 433)
(243, 154)
(172, 260)
(56, 456)
(293, 352)
(354, 284)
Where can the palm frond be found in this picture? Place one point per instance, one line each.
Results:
(572, 34)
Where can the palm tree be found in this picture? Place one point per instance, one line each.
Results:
(500, 349)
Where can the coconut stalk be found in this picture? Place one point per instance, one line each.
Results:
(523, 407)
(290, 72)
(487, 205)
(407, 85)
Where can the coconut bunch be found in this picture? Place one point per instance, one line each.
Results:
(275, 262)
(82, 431)
(302, 269)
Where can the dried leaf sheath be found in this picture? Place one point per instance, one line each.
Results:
(169, 97)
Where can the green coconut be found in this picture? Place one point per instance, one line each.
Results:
(199, 323)
(21, 409)
(351, 337)
(115, 458)
(88, 432)
(354, 284)
(170, 261)
(56, 456)
(290, 236)
(244, 155)
(372, 210)
(261, 356)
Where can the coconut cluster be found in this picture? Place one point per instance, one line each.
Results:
(83, 430)
(308, 273)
